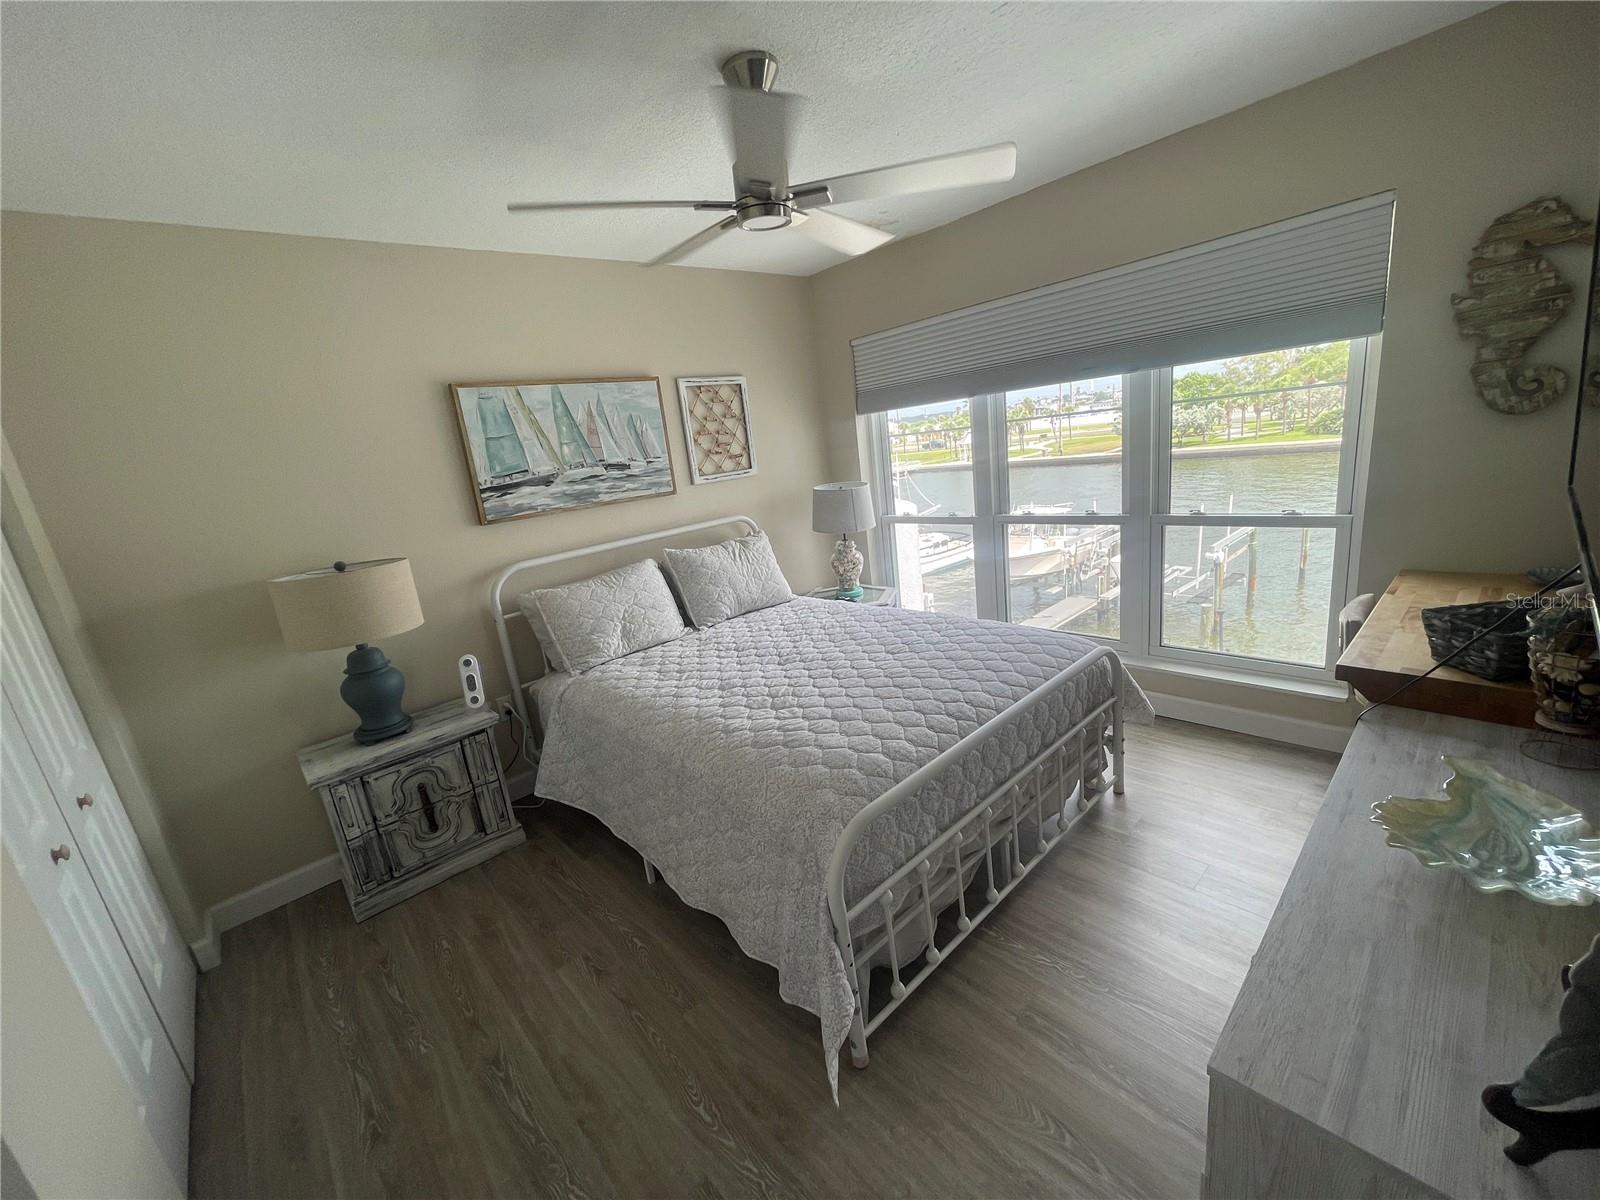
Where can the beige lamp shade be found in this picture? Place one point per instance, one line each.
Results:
(842, 507)
(333, 607)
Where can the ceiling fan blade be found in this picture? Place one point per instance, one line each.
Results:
(966, 168)
(761, 126)
(685, 248)
(841, 233)
(583, 205)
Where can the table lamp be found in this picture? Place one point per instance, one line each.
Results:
(352, 604)
(843, 508)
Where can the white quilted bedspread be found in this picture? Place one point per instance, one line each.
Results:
(733, 758)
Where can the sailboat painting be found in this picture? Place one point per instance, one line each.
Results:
(540, 447)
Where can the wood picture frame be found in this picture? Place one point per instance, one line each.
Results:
(716, 427)
(539, 446)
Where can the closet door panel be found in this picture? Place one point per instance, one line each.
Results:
(52, 866)
(71, 763)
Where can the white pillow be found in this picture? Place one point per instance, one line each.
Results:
(581, 625)
(727, 580)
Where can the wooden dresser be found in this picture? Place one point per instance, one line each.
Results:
(1392, 648)
(415, 809)
(1385, 996)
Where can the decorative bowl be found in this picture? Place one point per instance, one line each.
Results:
(1500, 833)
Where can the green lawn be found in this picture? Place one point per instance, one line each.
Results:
(1294, 435)
(1101, 442)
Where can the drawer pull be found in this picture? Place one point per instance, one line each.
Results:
(430, 818)
(86, 801)
(60, 855)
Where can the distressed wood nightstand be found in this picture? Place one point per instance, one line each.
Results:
(415, 809)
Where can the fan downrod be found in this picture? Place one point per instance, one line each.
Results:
(755, 70)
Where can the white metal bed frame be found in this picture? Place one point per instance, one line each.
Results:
(1073, 765)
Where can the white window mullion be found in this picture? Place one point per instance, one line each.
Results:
(1139, 577)
(1358, 447)
(1159, 447)
(988, 549)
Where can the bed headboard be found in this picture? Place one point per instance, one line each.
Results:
(502, 595)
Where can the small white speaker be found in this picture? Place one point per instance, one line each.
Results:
(471, 682)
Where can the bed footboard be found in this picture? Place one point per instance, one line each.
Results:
(1003, 836)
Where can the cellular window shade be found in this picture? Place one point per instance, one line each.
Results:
(1313, 278)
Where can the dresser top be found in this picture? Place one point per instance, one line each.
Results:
(1391, 650)
(343, 756)
(1386, 996)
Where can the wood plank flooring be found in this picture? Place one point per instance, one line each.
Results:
(547, 1024)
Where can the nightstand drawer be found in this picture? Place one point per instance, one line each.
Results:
(393, 792)
(437, 827)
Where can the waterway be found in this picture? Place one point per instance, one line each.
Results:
(1285, 620)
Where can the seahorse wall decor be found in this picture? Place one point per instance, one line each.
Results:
(1516, 294)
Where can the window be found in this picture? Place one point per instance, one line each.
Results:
(1200, 511)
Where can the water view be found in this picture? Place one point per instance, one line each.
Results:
(1068, 577)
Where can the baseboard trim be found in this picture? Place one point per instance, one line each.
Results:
(1296, 731)
(263, 898)
(519, 784)
(207, 951)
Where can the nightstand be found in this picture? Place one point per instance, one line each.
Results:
(415, 809)
(885, 597)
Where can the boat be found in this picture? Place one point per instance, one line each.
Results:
(535, 426)
(603, 441)
(643, 439)
(506, 458)
(573, 452)
(939, 551)
(632, 456)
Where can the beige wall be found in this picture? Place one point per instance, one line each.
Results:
(196, 411)
(1464, 124)
(69, 1116)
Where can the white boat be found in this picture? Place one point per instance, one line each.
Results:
(578, 460)
(510, 461)
(939, 551)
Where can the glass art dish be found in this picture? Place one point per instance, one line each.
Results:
(1499, 833)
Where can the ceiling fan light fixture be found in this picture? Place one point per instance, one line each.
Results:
(755, 70)
(758, 215)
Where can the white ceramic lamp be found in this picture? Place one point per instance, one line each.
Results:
(844, 508)
(352, 604)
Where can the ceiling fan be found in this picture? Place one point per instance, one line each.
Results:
(763, 125)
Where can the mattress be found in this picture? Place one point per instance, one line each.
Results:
(733, 757)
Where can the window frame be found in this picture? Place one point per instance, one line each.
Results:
(1145, 515)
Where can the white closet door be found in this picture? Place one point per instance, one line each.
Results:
(54, 725)
(57, 877)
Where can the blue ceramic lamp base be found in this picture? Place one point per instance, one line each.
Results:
(373, 687)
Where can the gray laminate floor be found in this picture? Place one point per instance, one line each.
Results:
(548, 1025)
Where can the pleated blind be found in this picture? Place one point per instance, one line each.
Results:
(1313, 278)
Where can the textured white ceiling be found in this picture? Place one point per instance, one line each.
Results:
(418, 122)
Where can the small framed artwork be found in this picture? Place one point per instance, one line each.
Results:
(549, 445)
(716, 427)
